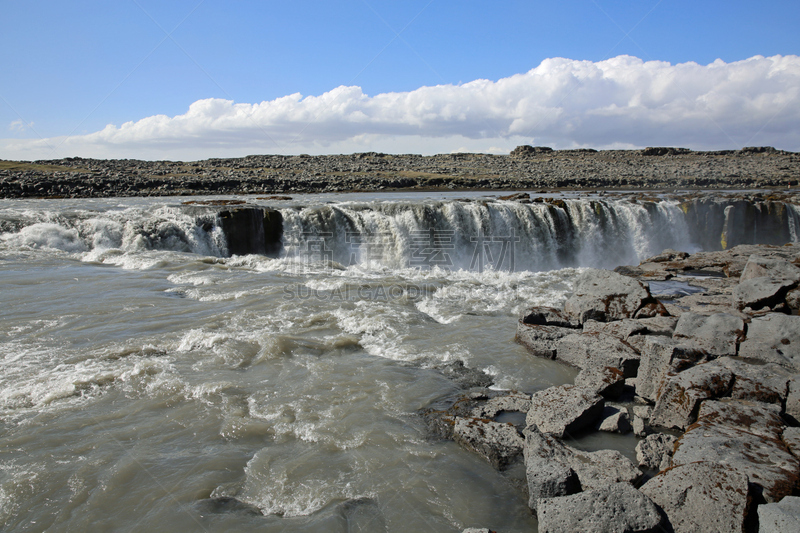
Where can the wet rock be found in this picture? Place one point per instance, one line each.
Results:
(746, 437)
(478, 530)
(715, 335)
(594, 469)
(781, 517)
(541, 341)
(682, 394)
(667, 255)
(774, 338)
(595, 350)
(702, 496)
(655, 451)
(606, 381)
(614, 420)
(464, 376)
(618, 508)
(496, 442)
(604, 296)
(362, 514)
(548, 316)
(511, 401)
(578, 408)
(661, 358)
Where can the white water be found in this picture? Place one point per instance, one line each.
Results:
(145, 377)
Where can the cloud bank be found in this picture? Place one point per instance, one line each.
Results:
(563, 103)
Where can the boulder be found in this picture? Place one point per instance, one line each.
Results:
(605, 296)
(606, 381)
(774, 338)
(564, 410)
(594, 469)
(781, 517)
(756, 382)
(793, 299)
(758, 266)
(677, 405)
(549, 480)
(614, 420)
(757, 293)
(660, 358)
(746, 438)
(496, 442)
(638, 426)
(618, 508)
(541, 341)
(655, 451)
(715, 335)
(595, 350)
(548, 316)
(701, 496)
(791, 437)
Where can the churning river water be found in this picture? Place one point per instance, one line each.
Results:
(149, 382)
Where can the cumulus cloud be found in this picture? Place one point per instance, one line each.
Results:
(619, 102)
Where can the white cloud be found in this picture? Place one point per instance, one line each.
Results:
(562, 103)
(19, 125)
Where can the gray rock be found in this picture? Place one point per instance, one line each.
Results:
(746, 437)
(541, 341)
(661, 358)
(791, 437)
(642, 411)
(477, 530)
(757, 293)
(606, 381)
(594, 469)
(627, 328)
(704, 496)
(548, 316)
(793, 400)
(655, 451)
(595, 350)
(781, 517)
(618, 508)
(716, 335)
(774, 338)
(756, 382)
(564, 410)
(793, 299)
(771, 267)
(677, 405)
(511, 401)
(614, 420)
(604, 296)
(639, 428)
(496, 442)
(549, 480)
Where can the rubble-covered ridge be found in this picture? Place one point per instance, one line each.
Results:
(711, 383)
(525, 168)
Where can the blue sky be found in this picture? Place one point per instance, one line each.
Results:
(72, 68)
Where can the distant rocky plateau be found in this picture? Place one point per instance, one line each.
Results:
(525, 168)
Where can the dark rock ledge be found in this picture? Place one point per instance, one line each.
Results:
(709, 381)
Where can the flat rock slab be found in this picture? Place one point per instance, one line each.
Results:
(774, 338)
(682, 394)
(564, 410)
(758, 266)
(757, 293)
(594, 469)
(541, 341)
(605, 296)
(756, 382)
(596, 350)
(781, 517)
(655, 451)
(715, 335)
(496, 442)
(618, 508)
(746, 437)
(704, 496)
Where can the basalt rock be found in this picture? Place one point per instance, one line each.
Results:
(605, 296)
(578, 408)
(496, 442)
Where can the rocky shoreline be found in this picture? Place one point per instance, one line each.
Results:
(706, 374)
(525, 168)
